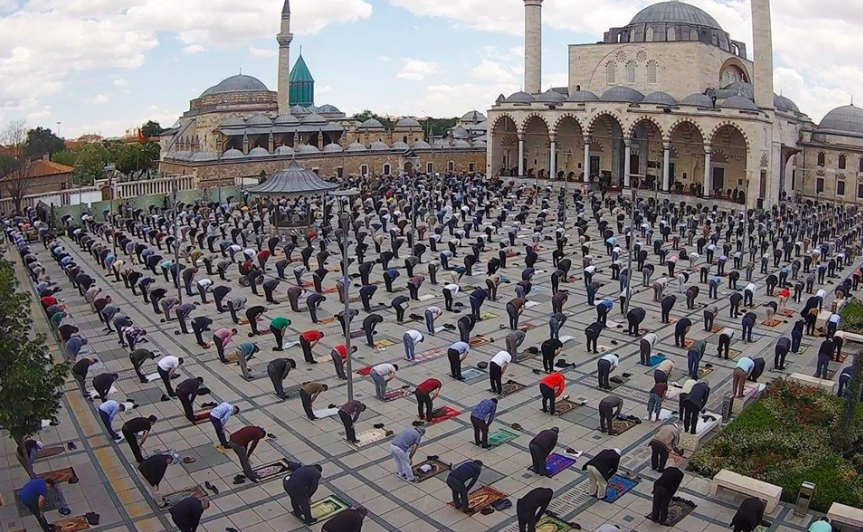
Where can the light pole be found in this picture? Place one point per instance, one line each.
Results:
(110, 169)
(344, 199)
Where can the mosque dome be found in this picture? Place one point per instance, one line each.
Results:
(675, 12)
(550, 97)
(299, 110)
(284, 120)
(259, 120)
(622, 94)
(234, 121)
(738, 88)
(284, 150)
(739, 102)
(479, 144)
(461, 145)
(379, 146)
(421, 145)
(240, 83)
(308, 148)
(659, 98)
(333, 148)
(203, 156)
(473, 116)
(785, 104)
(356, 146)
(846, 119)
(328, 109)
(582, 96)
(698, 100)
(233, 153)
(259, 152)
(399, 145)
(519, 97)
(408, 122)
(371, 123)
(441, 144)
(314, 118)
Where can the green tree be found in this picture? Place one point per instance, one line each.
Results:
(151, 129)
(366, 114)
(437, 126)
(67, 157)
(42, 141)
(90, 164)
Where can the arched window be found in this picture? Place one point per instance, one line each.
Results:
(841, 162)
(630, 72)
(386, 169)
(405, 139)
(429, 168)
(821, 158)
(450, 166)
(472, 167)
(861, 165)
(611, 73)
(693, 35)
(364, 170)
(651, 72)
(649, 36)
(671, 35)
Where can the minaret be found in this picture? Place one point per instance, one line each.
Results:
(762, 34)
(284, 39)
(532, 46)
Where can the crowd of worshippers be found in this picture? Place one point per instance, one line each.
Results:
(799, 247)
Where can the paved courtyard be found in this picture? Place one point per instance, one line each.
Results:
(111, 485)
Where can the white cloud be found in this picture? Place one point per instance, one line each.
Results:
(385, 59)
(39, 115)
(121, 82)
(97, 99)
(324, 89)
(261, 53)
(193, 49)
(417, 69)
(494, 72)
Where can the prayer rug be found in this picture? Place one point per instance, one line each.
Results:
(470, 374)
(555, 463)
(326, 508)
(618, 486)
(531, 304)
(526, 327)
(687, 343)
(655, 360)
(328, 291)
(842, 358)
(47, 452)
(397, 394)
(437, 467)
(501, 436)
(368, 437)
(716, 329)
(565, 339)
(512, 387)
(482, 498)
(675, 460)
(271, 470)
(71, 524)
(384, 343)
(551, 524)
(427, 297)
(615, 382)
(734, 354)
(201, 416)
(327, 321)
(761, 529)
(672, 320)
(787, 312)
(772, 323)
(357, 334)
(489, 316)
(431, 354)
(619, 426)
(196, 491)
(450, 413)
(219, 448)
(364, 371)
(95, 395)
(61, 475)
(54, 500)
(678, 510)
(565, 406)
(478, 341)
(325, 413)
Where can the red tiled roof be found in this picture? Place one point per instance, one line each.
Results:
(43, 168)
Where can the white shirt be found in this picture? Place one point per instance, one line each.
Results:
(590, 269)
(435, 310)
(821, 293)
(834, 318)
(384, 369)
(205, 283)
(651, 338)
(613, 359)
(168, 362)
(751, 287)
(501, 358)
(452, 288)
(415, 335)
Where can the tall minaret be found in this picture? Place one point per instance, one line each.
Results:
(762, 35)
(532, 46)
(284, 39)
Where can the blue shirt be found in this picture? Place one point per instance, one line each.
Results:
(32, 490)
(746, 364)
(111, 408)
(404, 440)
(222, 412)
(485, 411)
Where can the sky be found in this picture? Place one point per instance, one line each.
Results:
(102, 66)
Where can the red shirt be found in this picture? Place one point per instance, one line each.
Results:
(342, 351)
(428, 386)
(312, 336)
(247, 435)
(265, 254)
(49, 300)
(784, 292)
(555, 380)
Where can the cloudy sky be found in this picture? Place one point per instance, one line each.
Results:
(106, 65)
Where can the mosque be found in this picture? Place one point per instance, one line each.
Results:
(238, 130)
(672, 102)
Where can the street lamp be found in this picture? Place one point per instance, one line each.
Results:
(110, 170)
(344, 199)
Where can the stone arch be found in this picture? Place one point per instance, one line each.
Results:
(503, 145)
(677, 123)
(735, 63)
(733, 125)
(571, 116)
(536, 133)
(529, 118)
(589, 129)
(645, 118)
(500, 117)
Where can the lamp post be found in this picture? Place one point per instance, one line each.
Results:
(344, 199)
(110, 169)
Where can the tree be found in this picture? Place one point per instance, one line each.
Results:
(437, 126)
(366, 114)
(29, 381)
(151, 129)
(67, 157)
(90, 164)
(17, 179)
(42, 141)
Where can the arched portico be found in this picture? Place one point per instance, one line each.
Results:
(729, 177)
(504, 147)
(536, 158)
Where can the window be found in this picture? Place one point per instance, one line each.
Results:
(821, 158)
(840, 188)
(819, 185)
(471, 167)
(387, 169)
(610, 73)
(861, 165)
(364, 170)
(450, 166)
(860, 191)
(630, 72)
(405, 139)
(671, 35)
(429, 168)
(693, 35)
(841, 162)
(649, 36)
(651, 72)
(340, 172)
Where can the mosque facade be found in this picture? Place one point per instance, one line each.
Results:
(240, 130)
(673, 102)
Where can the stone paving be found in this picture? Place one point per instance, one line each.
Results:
(110, 484)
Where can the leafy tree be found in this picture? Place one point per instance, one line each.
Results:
(42, 141)
(438, 126)
(151, 129)
(67, 157)
(90, 164)
(16, 180)
(366, 114)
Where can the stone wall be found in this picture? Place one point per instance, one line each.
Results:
(810, 173)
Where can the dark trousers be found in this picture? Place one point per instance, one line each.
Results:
(166, 378)
(279, 335)
(658, 456)
(348, 422)
(548, 361)
(132, 440)
(188, 408)
(278, 386)
(548, 398)
(220, 349)
(480, 431)
(527, 519)
(661, 500)
(822, 367)
(592, 345)
(307, 404)
(307, 350)
(40, 517)
(220, 431)
(424, 401)
(459, 494)
(538, 455)
(495, 375)
(606, 419)
(454, 363)
(512, 312)
(604, 371)
(779, 359)
(301, 505)
(690, 416)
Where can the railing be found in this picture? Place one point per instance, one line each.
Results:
(149, 187)
(60, 198)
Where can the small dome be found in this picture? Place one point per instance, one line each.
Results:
(371, 123)
(233, 153)
(739, 102)
(286, 120)
(738, 88)
(314, 118)
(234, 121)
(333, 148)
(408, 122)
(675, 12)
(356, 146)
(622, 94)
(328, 110)
(479, 144)
(520, 97)
(441, 144)
(659, 98)
(421, 145)
(239, 83)
(379, 146)
(846, 119)
(259, 120)
(698, 100)
(473, 116)
(550, 97)
(259, 152)
(500, 99)
(182, 155)
(582, 96)
(284, 150)
(299, 110)
(785, 104)
(203, 156)
(459, 132)
(308, 148)
(400, 146)
(461, 145)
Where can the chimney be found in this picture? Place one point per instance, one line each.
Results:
(533, 46)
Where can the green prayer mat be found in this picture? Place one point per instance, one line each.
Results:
(551, 524)
(501, 436)
(326, 508)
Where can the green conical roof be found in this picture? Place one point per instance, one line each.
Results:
(300, 73)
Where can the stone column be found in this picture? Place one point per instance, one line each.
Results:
(627, 168)
(666, 162)
(521, 155)
(586, 166)
(552, 170)
(762, 34)
(284, 38)
(708, 171)
(532, 46)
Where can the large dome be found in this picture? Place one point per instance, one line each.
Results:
(847, 119)
(675, 13)
(240, 83)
